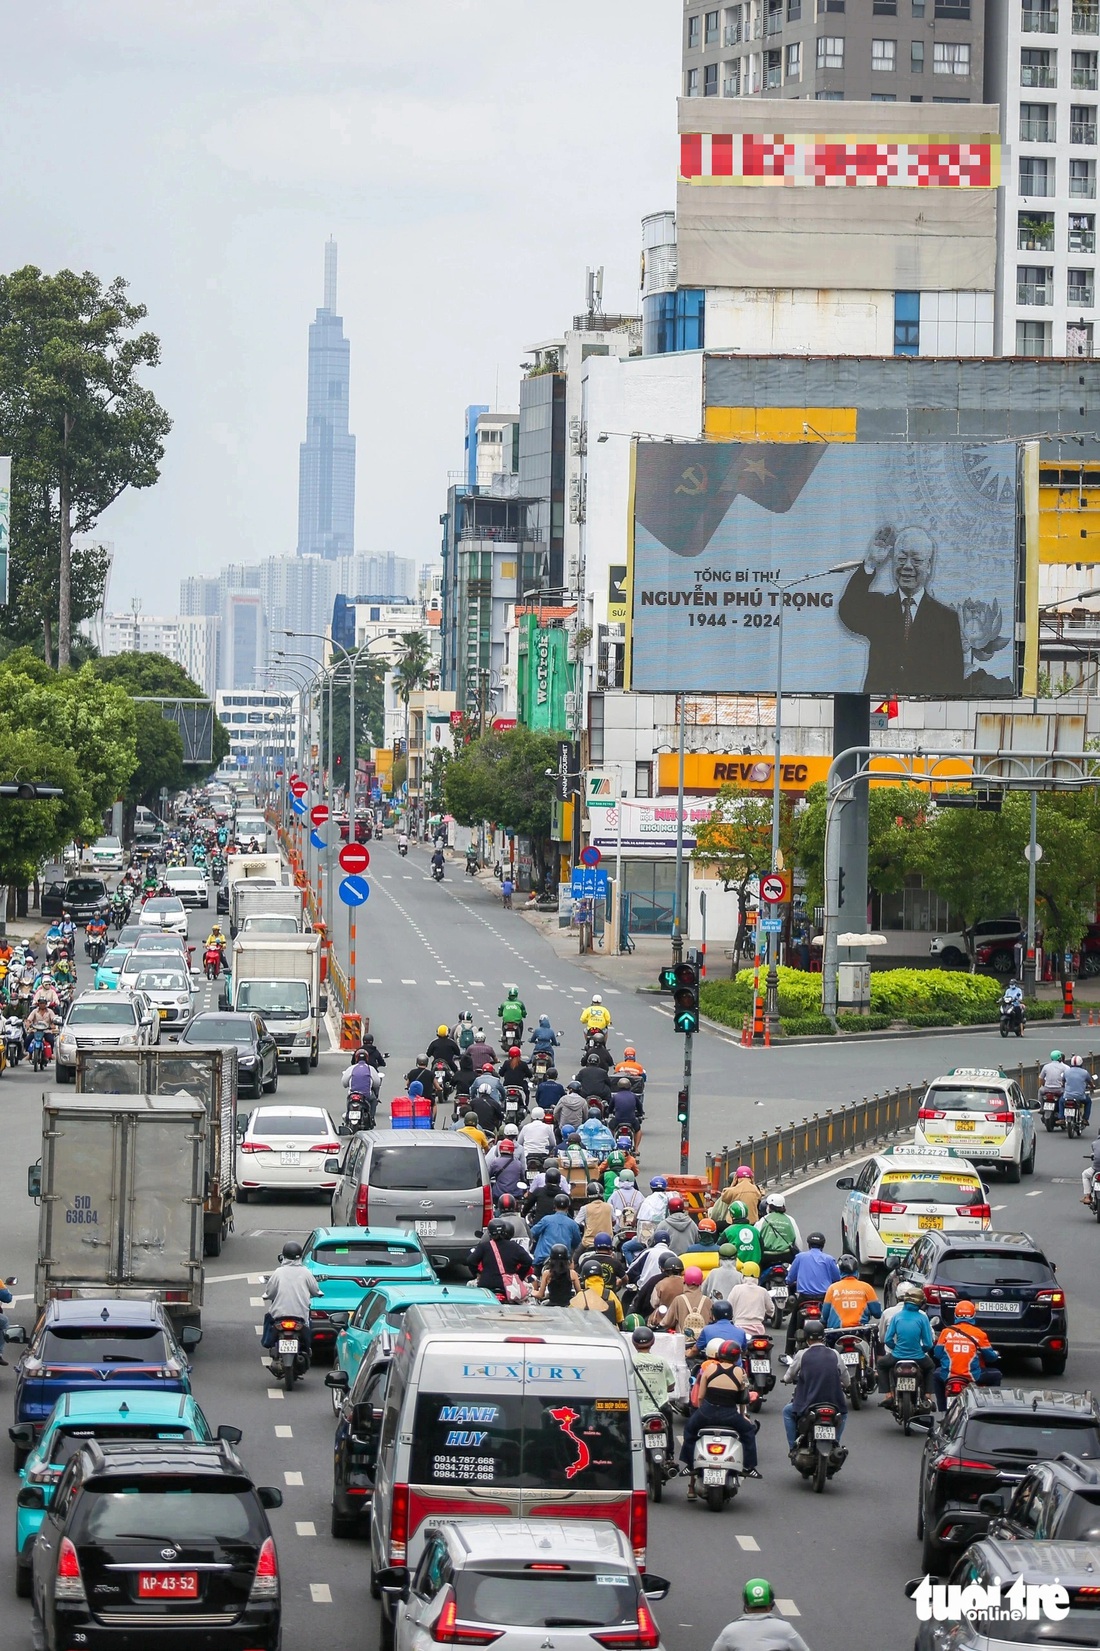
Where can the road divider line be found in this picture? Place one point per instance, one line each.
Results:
(274, 1392)
(290, 1477)
(284, 1432)
(255, 1301)
(1038, 1193)
(788, 1607)
(320, 1593)
(305, 1527)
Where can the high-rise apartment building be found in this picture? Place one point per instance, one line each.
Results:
(326, 470)
(1042, 69)
(879, 51)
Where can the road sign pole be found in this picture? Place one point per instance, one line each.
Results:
(351, 960)
(685, 1108)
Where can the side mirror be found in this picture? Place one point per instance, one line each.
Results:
(337, 1379)
(655, 1587)
(846, 1183)
(332, 1166)
(324, 1003)
(912, 1587)
(32, 1496)
(190, 1336)
(992, 1503)
(22, 1434)
(270, 1497)
(34, 1181)
(16, 1333)
(231, 1435)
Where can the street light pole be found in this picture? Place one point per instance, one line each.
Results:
(677, 921)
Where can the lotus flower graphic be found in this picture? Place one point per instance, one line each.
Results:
(980, 623)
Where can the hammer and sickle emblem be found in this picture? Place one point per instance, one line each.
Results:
(695, 478)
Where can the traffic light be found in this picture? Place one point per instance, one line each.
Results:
(840, 887)
(685, 997)
(27, 791)
(667, 978)
(682, 1107)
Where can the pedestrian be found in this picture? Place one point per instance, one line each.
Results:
(507, 889)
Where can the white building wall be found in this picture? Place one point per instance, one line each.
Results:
(144, 633)
(197, 649)
(799, 321)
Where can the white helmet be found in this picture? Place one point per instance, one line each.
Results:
(776, 1201)
(910, 1292)
(510, 1132)
(1077, 1061)
(597, 998)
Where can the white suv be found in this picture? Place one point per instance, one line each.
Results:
(104, 1020)
(953, 950)
(981, 1113)
(188, 884)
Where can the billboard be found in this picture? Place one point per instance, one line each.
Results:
(729, 535)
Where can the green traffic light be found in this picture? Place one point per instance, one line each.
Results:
(667, 978)
(687, 1021)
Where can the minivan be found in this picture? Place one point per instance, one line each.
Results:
(434, 1185)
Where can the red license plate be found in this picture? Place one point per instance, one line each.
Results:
(168, 1585)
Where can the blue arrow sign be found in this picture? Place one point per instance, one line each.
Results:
(317, 840)
(297, 805)
(353, 891)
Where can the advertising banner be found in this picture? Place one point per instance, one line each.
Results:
(729, 535)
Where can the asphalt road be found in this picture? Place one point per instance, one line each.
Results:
(839, 1560)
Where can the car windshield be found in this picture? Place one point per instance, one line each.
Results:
(219, 1029)
(87, 888)
(179, 1511)
(157, 943)
(163, 980)
(274, 997)
(1041, 1438)
(1080, 1627)
(1082, 1519)
(188, 874)
(114, 959)
(930, 1189)
(312, 1124)
(546, 1598)
(965, 1098)
(363, 1254)
(92, 1344)
(439, 1169)
(112, 844)
(130, 935)
(991, 1267)
(101, 1014)
(166, 907)
(68, 1440)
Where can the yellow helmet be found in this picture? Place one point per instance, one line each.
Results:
(441, 1031)
(749, 1268)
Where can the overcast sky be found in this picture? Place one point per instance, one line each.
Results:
(471, 157)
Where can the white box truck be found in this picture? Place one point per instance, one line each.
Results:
(279, 977)
(251, 898)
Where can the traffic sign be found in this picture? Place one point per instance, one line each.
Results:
(278, 773)
(297, 805)
(294, 776)
(354, 857)
(353, 891)
(772, 925)
(773, 887)
(298, 788)
(319, 814)
(317, 840)
(1033, 851)
(590, 856)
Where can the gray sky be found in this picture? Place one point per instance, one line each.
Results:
(470, 156)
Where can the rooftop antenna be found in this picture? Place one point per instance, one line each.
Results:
(330, 275)
(594, 286)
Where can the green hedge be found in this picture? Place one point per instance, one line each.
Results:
(806, 1026)
(911, 997)
(864, 1023)
(905, 992)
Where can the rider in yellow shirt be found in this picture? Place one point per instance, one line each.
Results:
(596, 1018)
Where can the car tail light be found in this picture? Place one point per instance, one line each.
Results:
(1000, 1118)
(447, 1630)
(486, 1205)
(361, 1205)
(940, 1295)
(879, 1206)
(981, 1211)
(1051, 1298)
(265, 1584)
(963, 1464)
(1056, 1345)
(255, 1146)
(638, 1518)
(327, 1146)
(929, 1112)
(642, 1637)
(399, 1525)
(70, 1584)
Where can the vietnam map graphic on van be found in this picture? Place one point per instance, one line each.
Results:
(565, 1418)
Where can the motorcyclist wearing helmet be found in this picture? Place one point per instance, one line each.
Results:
(808, 1278)
(819, 1376)
(463, 1032)
(663, 1288)
(753, 1308)
(683, 1234)
(653, 1375)
(507, 1174)
(626, 1108)
(597, 1017)
(602, 1249)
(742, 1188)
(498, 1253)
(744, 1237)
(908, 1336)
(631, 1067)
(512, 1013)
(543, 1036)
(558, 1282)
(624, 1195)
(645, 1266)
(594, 1295)
(1012, 1000)
(572, 1108)
(507, 1207)
(654, 1208)
(472, 1128)
(591, 1079)
(1077, 1087)
(444, 1048)
(537, 1136)
(514, 1071)
(540, 1199)
(719, 1327)
(487, 1098)
(481, 1052)
(851, 1304)
(420, 1072)
(288, 1293)
(596, 1216)
(721, 1391)
(726, 1276)
(690, 1311)
(780, 1239)
(962, 1349)
(761, 1628)
(594, 1134)
(556, 1228)
(1052, 1079)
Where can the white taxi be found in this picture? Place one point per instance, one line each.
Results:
(982, 1112)
(904, 1192)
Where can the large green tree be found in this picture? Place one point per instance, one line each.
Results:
(897, 834)
(736, 841)
(81, 428)
(501, 779)
(159, 748)
(370, 677)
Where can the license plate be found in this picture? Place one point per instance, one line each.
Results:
(824, 1432)
(714, 1476)
(168, 1585)
(761, 1367)
(964, 1126)
(656, 1441)
(288, 1347)
(163, 1013)
(850, 1358)
(929, 1223)
(1000, 1306)
(906, 1384)
(779, 1293)
(290, 1157)
(426, 1229)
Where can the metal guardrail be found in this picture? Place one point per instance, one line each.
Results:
(794, 1149)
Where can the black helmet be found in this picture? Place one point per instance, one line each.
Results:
(505, 1202)
(500, 1229)
(721, 1310)
(848, 1265)
(562, 1201)
(594, 1189)
(813, 1330)
(671, 1263)
(559, 1252)
(292, 1251)
(816, 1241)
(624, 1083)
(643, 1336)
(591, 1269)
(552, 1175)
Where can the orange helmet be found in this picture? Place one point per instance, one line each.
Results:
(706, 1225)
(965, 1310)
(630, 1053)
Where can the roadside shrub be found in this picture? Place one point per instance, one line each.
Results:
(730, 1000)
(806, 1026)
(864, 1023)
(905, 993)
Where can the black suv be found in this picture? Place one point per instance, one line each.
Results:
(81, 897)
(1058, 1501)
(1071, 1565)
(141, 1540)
(1020, 1304)
(981, 1451)
(355, 1449)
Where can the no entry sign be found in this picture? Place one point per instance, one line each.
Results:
(318, 814)
(298, 788)
(354, 857)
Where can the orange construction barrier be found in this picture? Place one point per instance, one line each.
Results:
(1067, 1000)
(757, 1018)
(351, 1031)
(746, 1036)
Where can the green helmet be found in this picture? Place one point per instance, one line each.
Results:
(616, 1160)
(513, 993)
(757, 1594)
(633, 1321)
(738, 1212)
(1056, 1054)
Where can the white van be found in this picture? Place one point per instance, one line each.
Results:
(508, 1412)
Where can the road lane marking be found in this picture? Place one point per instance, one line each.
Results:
(408, 983)
(1038, 1193)
(283, 1432)
(443, 983)
(259, 1329)
(788, 1607)
(372, 981)
(749, 1543)
(274, 1392)
(320, 1593)
(292, 1478)
(305, 1527)
(999, 1206)
(255, 1301)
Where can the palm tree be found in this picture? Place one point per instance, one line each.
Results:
(413, 669)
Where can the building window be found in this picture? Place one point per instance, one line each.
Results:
(885, 8)
(1036, 175)
(884, 97)
(691, 83)
(710, 28)
(673, 321)
(1082, 71)
(1082, 123)
(916, 57)
(884, 55)
(918, 8)
(953, 10)
(1082, 232)
(907, 323)
(1035, 231)
(643, 779)
(1034, 284)
(1039, 17)
(1086, 17)
(693, 33)
(950, 57)
(1082, 179)
(1080, 288)
(794, 11)
(830, 51)
(794, 61)
(829, 97)
(1033, 338)
(773, 68)
(731, 85)
(710, 80)
(774, 23)
(1037, 124)
(824, 6)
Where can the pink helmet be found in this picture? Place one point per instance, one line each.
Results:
(742, 1173)
(693, 1276)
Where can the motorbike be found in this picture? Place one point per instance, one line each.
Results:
(13, 1040)
(1094, 1194)
(442, 1081)
(851, 1349)
(212, 962)
(40, 1051)
(660, 1463)
(290, 1355)
(809, 1309)
(719, 1463)
(1073, 1113)
(94, 948)
(471, 865)
(402, 849)
(1048, 1101)
(515, 1104)
(437, 873)
(594, 1043)
(817, 1454)
(511, 1033)
(358, 1114)
(1012, 1018)
(758, 1368)
(541, 1062)
(907, 1394)
(774, 1280)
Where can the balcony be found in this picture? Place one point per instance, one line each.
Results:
(1082, 297)
(1035, 235)
(1082, 79)
(731, 88)
(1043, 75)
(1085, 20)
(732, 35)
(1083, 189)
(1082, 240)
(1037, 184)
(1044, 21)
(1038, 131)
(1035, 293)
(1082, 131)
(774, 23)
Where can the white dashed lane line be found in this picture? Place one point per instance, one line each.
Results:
(305, 1527)
(1038, 1193)
(290, 1477)
(320, 1593)
(748, 1543)
(788, 1607)
(274, 1392)
(284, 1433)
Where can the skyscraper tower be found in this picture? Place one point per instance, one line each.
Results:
(326, 466)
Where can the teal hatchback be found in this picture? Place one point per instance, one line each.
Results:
(380, 1312)
(349, 1261)
(124, 1413)
(107, 969)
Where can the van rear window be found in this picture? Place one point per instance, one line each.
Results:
(539, 1442)
(425, 1169)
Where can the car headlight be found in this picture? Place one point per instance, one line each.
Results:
(246, 1060)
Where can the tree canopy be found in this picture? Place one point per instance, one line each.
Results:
(502, 778)
(737, 842)
(159, 747)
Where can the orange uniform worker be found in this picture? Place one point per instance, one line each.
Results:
(962, 1349)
